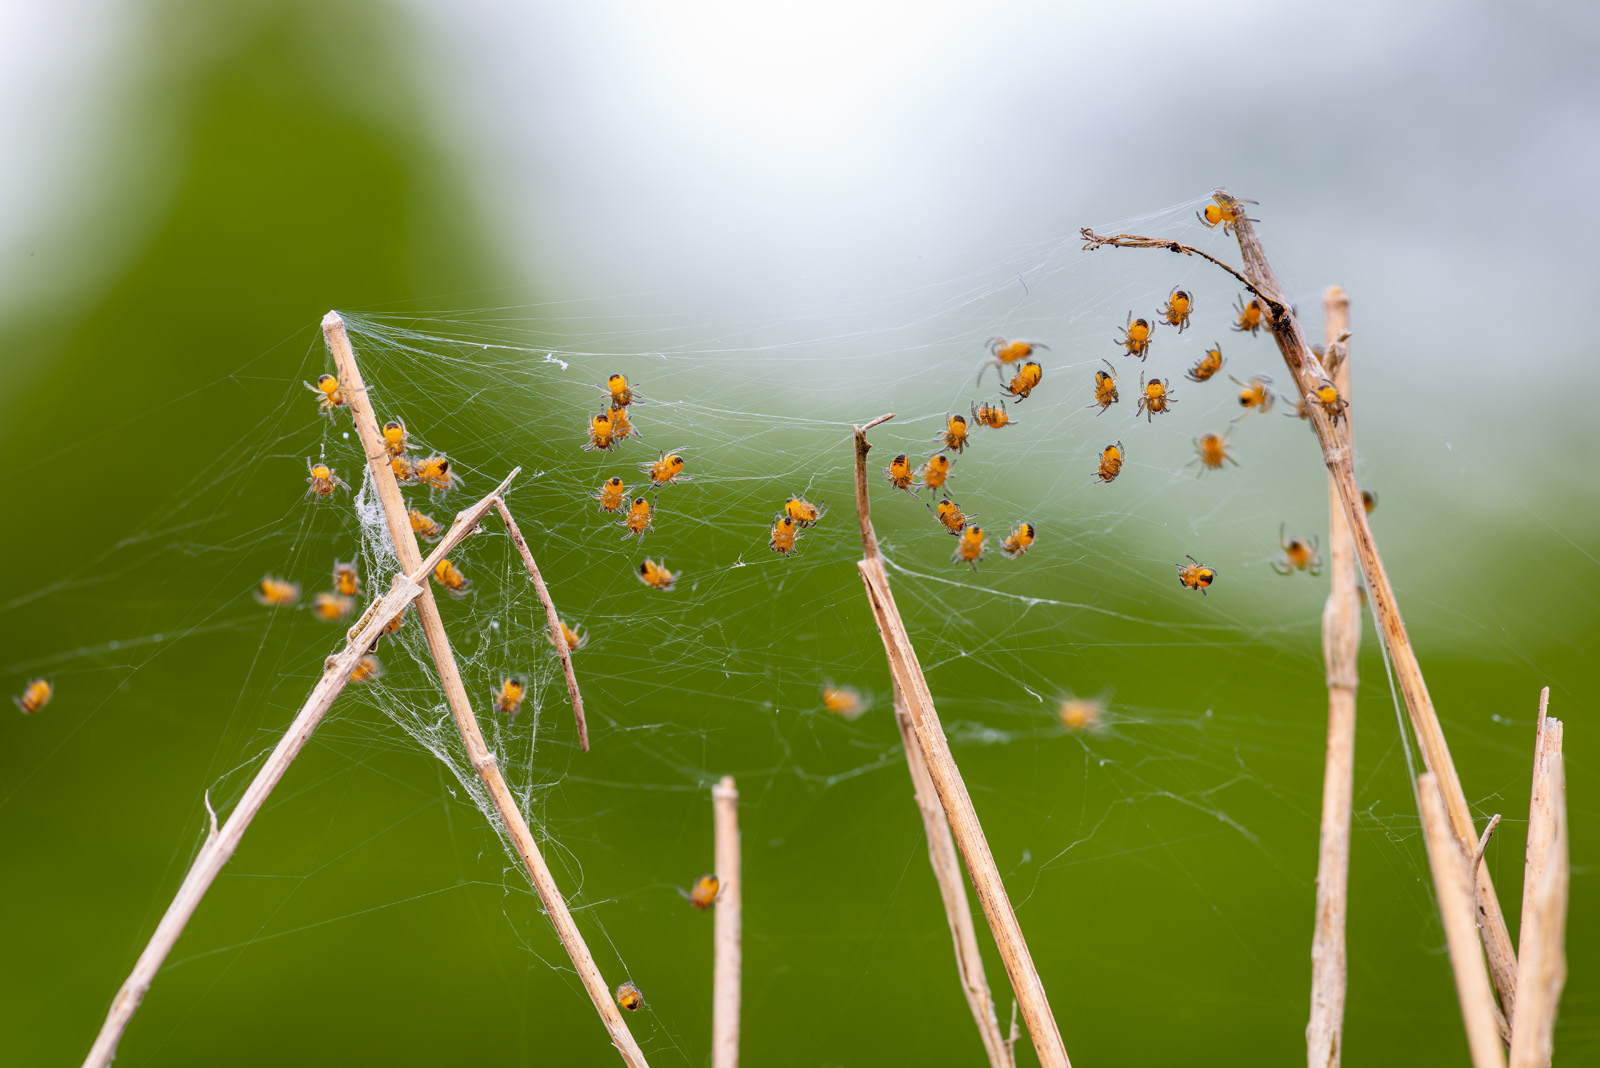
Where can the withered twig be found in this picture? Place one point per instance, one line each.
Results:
(483, 760)
(220, 844)
(952, 790)
(557, 637)
(1341, 648)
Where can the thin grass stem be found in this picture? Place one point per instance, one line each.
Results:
(946, 866)
(1541, 938)
(221, 844)
(557, 636)
(727, 971)
(1450, 882)
(1341, 648)
(483, 760)
(951, 788)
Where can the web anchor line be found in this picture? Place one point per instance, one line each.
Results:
(220, 844)
(516, 827)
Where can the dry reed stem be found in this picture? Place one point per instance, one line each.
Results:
(1341, 648)
(1541, 957)
(483, 761)
(953, 893)
(1538, 803)
(556, 634)
(728, 962)
(1483, 842)
(1450, 881)
(221, 844)
(1336, 454)
(952, 790)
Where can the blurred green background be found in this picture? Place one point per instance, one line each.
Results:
(256, 164)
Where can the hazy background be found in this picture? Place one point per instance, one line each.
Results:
(189, 187)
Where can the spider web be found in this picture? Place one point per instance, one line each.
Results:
(723, 673)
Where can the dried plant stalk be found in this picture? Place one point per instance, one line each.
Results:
(1547, 733)
(953, 893)
(557, 636)
(1450, 881)
(483, 761)
(220, 844)
(1541, 946)
(1308, 374)
(727, 971)
(1341, 647)
(952, 790)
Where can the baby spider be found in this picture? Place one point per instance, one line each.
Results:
(394, 438)
(1179, 306)
(508, 696)
(951, 517)
(346, 579)
(656, 576)
(993, 416)
(602, 434)
(1211, 452)
(1327, 395)
(620, 392)
(435, 473)
(323, 480)
(1018, 541)
(327, 390)
(611, 494)
(969, 550)
(900, 475)
(1154, 397)
(1195, 575)
(575, 639)
(1301, 409)
(785, 532)
(1253, 395)
(622, 426)
(954, 434)
(704, 892)
(1135, 337)
(1226, 210)
(666, 471)
(390, 627)
(803, 512)
(369, 667)
(332, 607)
(843, 701)
(276, 593)
(34, 696)
(1004, 352)
(1111, 458)
(425, 526)
(637, 520)
(936, 472)
(1297, 555)
(1105, 389)
(1080, 714)
(450, 577)
(1369, 501)
(1024, 381)
(1208, 365)
(1251, 316)
(628, 997)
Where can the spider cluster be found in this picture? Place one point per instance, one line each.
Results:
(1157, 397)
